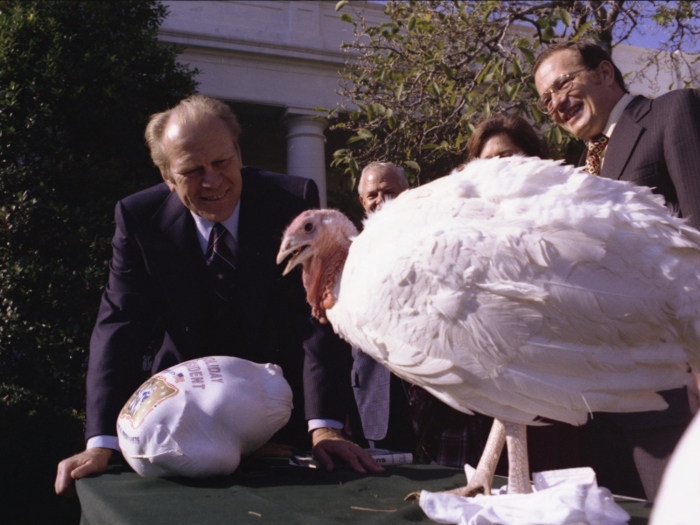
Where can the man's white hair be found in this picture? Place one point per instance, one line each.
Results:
(403, 181)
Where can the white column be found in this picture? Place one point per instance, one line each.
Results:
(306, 155)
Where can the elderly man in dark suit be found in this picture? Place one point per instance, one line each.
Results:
(169, 244)
(393, 414)
(381, 398)
(651, 142)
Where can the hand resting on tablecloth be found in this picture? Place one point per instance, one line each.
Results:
(329, 442)
(90, 461)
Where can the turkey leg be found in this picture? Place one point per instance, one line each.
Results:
(518, 465)
(514, 435)
(482, 480)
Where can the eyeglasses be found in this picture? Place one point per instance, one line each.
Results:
(560, 86)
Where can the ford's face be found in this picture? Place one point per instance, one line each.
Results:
(204, 166)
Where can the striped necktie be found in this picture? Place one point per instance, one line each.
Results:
(596, 146)
(222, 263)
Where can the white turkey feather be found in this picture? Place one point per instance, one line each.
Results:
(522, 288)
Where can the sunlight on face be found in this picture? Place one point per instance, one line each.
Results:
(377, 186)
(499, 145)
(204, 166)
(584, 108)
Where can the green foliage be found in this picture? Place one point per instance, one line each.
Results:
(423, 80)
(36, 435)
(78, 81)
(674, 11)
(416, 86)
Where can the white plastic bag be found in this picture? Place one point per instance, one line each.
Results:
(198, 418)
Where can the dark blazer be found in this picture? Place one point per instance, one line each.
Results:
(656, 143)
(158, 279)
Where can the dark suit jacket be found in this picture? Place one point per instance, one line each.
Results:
(656, 143)
(158, 278)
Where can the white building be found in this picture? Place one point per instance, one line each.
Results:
(275, 61)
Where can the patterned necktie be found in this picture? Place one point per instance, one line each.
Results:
(221, 263)
(595, 147)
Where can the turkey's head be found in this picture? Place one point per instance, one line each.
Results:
(319, 241)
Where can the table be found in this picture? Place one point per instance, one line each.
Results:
(269, 491)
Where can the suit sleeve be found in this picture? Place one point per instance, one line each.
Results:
(682, 153)
(311, 198)
(326, 360)
(121, 334)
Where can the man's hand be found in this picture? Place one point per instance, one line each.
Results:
(329, 442)
(90, 461)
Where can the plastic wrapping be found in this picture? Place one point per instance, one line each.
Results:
(200, 417)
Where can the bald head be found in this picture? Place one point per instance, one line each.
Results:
(380, 181)
(189, 111)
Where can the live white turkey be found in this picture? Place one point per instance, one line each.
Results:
(518, 288)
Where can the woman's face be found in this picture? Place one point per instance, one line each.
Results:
(499, 145)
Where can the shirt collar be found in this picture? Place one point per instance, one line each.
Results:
(204, 226)
(615, 114)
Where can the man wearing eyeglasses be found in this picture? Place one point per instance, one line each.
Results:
(651, 142)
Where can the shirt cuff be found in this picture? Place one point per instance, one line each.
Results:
(103, 442)
(319, 423)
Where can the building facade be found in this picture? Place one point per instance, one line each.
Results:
(275, 62)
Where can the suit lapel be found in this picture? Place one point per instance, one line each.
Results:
(259, 239)
(625, 138)
(173, 237)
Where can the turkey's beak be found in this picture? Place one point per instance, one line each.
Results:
(297, 251)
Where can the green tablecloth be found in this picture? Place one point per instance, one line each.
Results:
(270, 492)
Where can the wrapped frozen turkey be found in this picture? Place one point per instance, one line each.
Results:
(199, 417)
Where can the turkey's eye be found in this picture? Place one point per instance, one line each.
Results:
(308, 227)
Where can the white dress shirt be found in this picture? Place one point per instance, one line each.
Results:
(613, 119)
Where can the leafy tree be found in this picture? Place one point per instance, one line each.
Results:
(415, 87)
(78, 81)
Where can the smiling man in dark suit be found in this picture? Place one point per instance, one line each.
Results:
(160, 272)
(650, 142)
